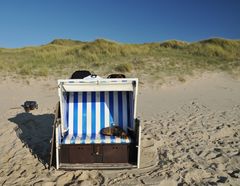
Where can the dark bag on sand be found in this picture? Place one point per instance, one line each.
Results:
(30, 105)
(80, 74)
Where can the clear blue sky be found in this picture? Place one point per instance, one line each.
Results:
(36, 22)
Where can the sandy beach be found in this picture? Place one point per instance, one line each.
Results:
(190, 136)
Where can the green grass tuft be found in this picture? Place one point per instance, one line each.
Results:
(174, 44)
(123, 68)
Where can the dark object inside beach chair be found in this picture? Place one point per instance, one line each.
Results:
(114, 131)
(30, 105)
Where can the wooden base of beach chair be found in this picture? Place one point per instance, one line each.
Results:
(104, 154)
(88, 166)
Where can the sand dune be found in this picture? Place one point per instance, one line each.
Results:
(190, 135)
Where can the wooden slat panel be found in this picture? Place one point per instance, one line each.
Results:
(67, 166)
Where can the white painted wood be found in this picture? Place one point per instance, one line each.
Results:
(139, 147)
(61, 108)
(135, 98)
(69, 87)
(57, 145)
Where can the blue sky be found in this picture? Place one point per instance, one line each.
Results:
(36, 22)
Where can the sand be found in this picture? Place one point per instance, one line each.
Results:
(190, 136)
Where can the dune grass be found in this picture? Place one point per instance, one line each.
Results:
(151, 60)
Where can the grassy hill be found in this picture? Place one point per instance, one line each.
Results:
(152, 60)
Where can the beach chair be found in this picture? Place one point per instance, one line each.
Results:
(88, 105)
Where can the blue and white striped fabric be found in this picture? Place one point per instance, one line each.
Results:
(87, 113)
(94, 139)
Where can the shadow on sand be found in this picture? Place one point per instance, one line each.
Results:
(35, 131)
